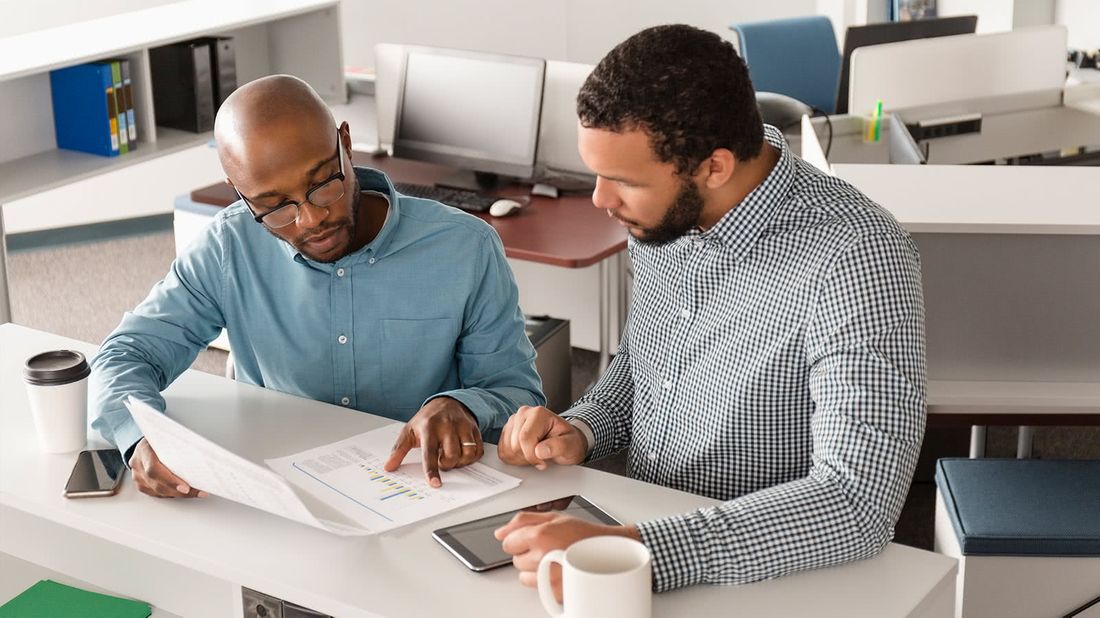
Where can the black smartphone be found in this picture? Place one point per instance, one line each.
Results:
(96, 473)
(474, 544)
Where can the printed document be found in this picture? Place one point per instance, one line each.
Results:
(344, 477)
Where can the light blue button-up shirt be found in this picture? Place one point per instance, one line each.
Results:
(428, 308)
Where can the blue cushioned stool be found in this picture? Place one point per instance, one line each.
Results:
(1026, 533)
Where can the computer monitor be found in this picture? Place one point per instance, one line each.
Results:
(474, 111)
(878, 34)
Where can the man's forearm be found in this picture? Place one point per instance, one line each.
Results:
(799, 525)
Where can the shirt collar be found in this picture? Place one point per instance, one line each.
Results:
(375, 181)
(370, 181)
(741, 227)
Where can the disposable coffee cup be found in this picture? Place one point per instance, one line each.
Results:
(57, 386)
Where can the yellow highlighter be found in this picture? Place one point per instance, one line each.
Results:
(872, 126)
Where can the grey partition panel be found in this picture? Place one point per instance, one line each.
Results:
(1015, 307)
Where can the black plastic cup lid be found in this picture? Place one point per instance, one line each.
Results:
(56, 367)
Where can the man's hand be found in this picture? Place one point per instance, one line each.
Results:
(154, 478)
(446, 432)
(535, 435)
(530, 536)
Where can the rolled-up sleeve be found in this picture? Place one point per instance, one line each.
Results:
(158, 340)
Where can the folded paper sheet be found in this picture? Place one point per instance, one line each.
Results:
(345, 476)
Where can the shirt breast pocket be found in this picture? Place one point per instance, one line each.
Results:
(419, 360)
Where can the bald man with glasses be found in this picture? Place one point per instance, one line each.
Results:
(331, 286)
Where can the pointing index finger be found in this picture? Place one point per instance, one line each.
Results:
(430, 452)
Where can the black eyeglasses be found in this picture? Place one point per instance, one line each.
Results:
(321, 195)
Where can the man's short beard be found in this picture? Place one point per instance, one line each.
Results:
(350, 222)
(681, 217)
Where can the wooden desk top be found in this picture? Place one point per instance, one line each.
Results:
(568, 231)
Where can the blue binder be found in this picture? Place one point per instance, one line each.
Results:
(80, 108)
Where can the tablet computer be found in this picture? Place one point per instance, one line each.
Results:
(474, 544)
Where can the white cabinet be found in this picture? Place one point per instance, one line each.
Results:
(145, 189)
(300, 37)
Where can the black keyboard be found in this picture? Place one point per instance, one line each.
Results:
(459, 198)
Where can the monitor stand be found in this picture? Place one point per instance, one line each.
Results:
(481, 182)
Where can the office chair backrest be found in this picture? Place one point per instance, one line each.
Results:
(797, 57)
(780, 110)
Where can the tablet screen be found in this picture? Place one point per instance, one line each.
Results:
(474, 544)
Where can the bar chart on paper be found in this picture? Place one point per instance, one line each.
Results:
(349, 476)
(389, 487)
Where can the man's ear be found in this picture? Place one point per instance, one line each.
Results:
(345, 136)
(718, 168)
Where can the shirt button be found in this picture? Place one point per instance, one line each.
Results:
(685, 313)
(371, 261)
(342, 339)
(339, 272)
(345, 401)
(668, 384)
(652, 456)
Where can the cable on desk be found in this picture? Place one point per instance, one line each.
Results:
(1082, 608)
(814, 113)
(829, 125)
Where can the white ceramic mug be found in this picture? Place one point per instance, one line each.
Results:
(57, 387)
(602, 577)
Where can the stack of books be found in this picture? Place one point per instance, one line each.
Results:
(93, 103)
(93, 108)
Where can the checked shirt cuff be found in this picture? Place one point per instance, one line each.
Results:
(602, 436)
(679, 548)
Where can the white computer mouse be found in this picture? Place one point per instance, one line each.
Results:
(503, 208)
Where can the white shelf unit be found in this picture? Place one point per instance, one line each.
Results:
(299, 37)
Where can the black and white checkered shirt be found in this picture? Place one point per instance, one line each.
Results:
(775, 361)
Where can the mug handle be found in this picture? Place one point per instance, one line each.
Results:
(546, 591)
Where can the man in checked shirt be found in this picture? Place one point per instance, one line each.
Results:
(774, 353)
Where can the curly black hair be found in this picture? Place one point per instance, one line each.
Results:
(687, 88)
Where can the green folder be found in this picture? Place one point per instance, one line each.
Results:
(49, 599)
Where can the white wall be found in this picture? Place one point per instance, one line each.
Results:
(993, 15)
(21, 16)
(571, 30)
(1003, 15)
(1082, 18)
(1032, 13)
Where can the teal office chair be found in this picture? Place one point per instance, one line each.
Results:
(797, 57)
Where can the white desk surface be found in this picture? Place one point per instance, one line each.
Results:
(17, 575)
(402, 573)
(983, 199)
